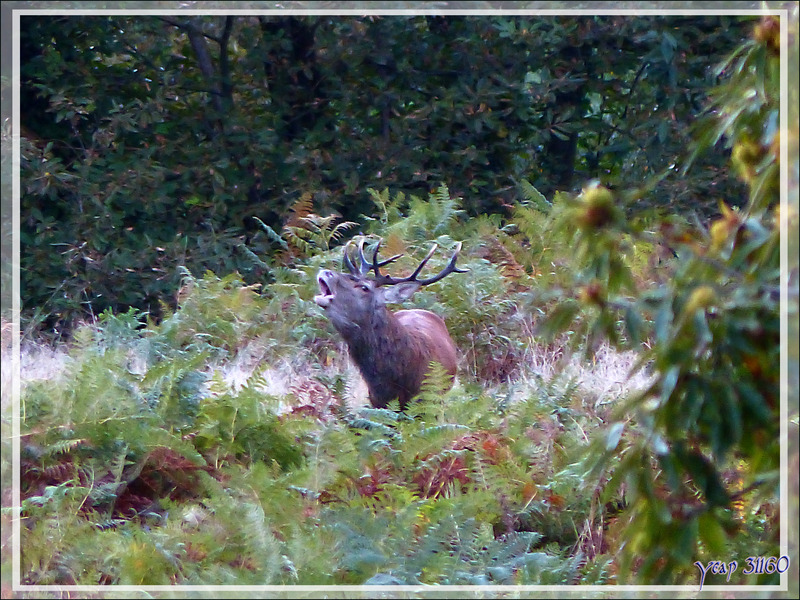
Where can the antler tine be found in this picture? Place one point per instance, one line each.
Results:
(384, 262)
(450, 268)
(347, 263)
(375, 265)
(365, 266)
(413, 276)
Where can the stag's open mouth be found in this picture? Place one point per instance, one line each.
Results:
(326, 295)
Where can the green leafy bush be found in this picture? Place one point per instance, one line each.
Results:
(152, 142)
(703, 438)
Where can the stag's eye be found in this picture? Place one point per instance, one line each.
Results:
(363, 287)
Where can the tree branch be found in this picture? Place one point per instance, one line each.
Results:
(197, 39)
(226, 87)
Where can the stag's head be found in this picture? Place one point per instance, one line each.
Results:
(355, 298)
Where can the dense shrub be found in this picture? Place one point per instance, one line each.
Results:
(153, 142)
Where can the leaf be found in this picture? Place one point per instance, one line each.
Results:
(712, 534)
(614, 435)
(633, 324)
(668, 383)
(534, 196)
(559, 318)
(271, 233)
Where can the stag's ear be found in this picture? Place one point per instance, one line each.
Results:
(402, 291)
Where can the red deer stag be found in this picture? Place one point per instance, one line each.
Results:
(392, 350)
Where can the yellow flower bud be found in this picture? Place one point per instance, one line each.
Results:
(768, 32)
(597, 209)
(719, 233)
(745, 156)
(592, 294)
(723, 227)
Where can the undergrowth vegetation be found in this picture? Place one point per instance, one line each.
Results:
(143, 464)
(144, 452)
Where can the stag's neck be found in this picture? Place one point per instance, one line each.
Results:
(384, 352)
(374, 342)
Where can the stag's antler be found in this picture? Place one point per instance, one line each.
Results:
(348, 264)
(375, 265)
(366, 266)
(450, 268)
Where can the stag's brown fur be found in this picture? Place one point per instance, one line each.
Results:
(392, 350)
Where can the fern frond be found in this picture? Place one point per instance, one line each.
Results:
(262, 546)
(314, 233)
(273, 235)
(297, 237)
(301, 208)
(390, 209)
(369, 425)
(106, 524)
(341, 228)
(242, 247)
(534, 197)
(441, 194)
(62, 447)
(316, 223)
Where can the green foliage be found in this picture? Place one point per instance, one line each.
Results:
(214, 485)
(318, 232)
(311, 233)
(419, 220)
(483, 319)
(704, 435)
(153, 142)
(427, 509)
(216, 314)
(241, 426)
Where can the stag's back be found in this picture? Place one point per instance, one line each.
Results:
(428, 331)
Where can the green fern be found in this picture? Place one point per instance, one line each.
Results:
(534, 197)
(317, 234)
(248, 491)
(421, 219)
(62, 447)
(271, 233)
(390, 209)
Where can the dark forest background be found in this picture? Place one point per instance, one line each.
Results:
(153, 142)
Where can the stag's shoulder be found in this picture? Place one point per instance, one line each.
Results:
(415, 318)
(430, 337)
